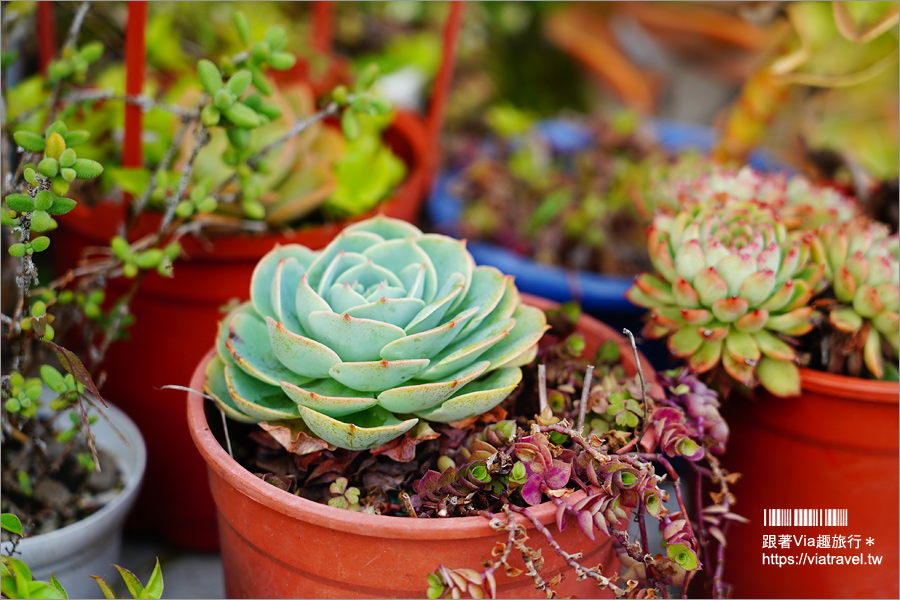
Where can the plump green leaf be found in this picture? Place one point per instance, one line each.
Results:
(17, 250)
(39, 244)
(77, 137)
(242, 24)
(282, 61)
(30, 141)
(49, 167)
(61, 206)
(43, 200)
(210, 77)
(350, 125)
(41, 221)
(91, 51)
(67, 158)
(242, 115)
(20, 202)
(239, 82)
(87, 169)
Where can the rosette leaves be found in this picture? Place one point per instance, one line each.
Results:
(861, 262)
(383, 327)
(731, 282)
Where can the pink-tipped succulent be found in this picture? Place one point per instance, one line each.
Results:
(799, 203)
(861, 263)
(731, 281)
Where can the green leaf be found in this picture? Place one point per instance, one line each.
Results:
(210, 115)
(282, 61)
(11, 523)
(239, 82)
(77, 138)
(242, 115)
(91, 51)
(87, 169)
(108, 592)
(350, 125)
(43, 200)
(59, 587)
(58, 127)
(20, 202)
(133, 583)
(61, 206)
(210, 77)
(39, 244)
(683, 555)
(154, 587)
(29, 141)
(276, 38)
(17, 250)
(243, 27)
(40, 221)
(67, 158)
(49, 167)
(260, 81)
(366, 78)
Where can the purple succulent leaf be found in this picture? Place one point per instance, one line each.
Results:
(531, 491)
(561, 520)
(586, 524)
(558, 475)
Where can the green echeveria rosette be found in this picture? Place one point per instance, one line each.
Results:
(861, 262)
(384, 326)
(730, 282)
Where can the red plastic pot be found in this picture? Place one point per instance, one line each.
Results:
(176, 318)
(834, 447)
(277, 545)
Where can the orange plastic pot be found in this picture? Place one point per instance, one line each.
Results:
(277, 545)
(834, 447)
(176, 318)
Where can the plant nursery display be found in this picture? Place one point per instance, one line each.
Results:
(767, 285)
(244, 162)
(382, 372)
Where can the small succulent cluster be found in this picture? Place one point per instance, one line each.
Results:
(74, 63)
(743, 266)
(384, 326)
(47, 183)
(133, 261)
(861, 262)
(728, 281)
(686, 420)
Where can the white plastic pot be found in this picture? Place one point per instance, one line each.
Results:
(91, 546)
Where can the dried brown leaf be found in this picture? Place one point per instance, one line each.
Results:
(293, 435)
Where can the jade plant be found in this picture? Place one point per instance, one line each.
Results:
(742, 283)
(383, 327)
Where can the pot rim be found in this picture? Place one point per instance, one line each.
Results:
(852, 388)
(84, 528)
(387, 526)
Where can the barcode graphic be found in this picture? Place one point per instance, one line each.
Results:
(805, 517)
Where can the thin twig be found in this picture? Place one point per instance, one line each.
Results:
(141, 202)
(225, 428)
(201, 137)
(542, 387)
(585, 396)
(639, 435)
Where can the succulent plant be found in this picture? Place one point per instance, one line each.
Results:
(861, 262)
(384, 326)
(731, 280)
(799, 202)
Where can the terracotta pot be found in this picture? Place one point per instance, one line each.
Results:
(834, 447)
(176, 500)
(277, 545)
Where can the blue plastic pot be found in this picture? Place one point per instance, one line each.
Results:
(602, 296)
